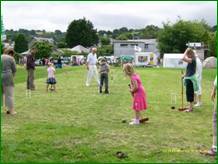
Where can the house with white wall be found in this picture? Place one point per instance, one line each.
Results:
(127, 47)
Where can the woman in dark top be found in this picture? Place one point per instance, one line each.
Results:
(189, 77)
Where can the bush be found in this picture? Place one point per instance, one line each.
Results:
(106, 50)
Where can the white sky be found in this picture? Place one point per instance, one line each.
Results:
(104, 15)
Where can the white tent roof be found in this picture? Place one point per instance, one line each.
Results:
(25, 53)
(80, 49)
(210, 62)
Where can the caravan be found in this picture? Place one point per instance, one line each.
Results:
(173, 61)
(145, 59)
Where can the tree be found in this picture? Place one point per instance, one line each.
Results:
(81, 32)
(212, 44)
(173, 37)
(58, 32)
(150, 32)
(105, 41)
(61, 45)
(44, 49)
(125, 36)
(105, 50)
(21, 43)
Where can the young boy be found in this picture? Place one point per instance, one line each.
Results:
(104, 70)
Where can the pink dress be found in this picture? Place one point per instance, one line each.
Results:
(139, 97)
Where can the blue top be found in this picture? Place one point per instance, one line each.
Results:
(191, 68)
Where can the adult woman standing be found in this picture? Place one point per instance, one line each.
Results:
(190, 79)
(8, 73)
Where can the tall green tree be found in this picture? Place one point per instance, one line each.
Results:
(44, 49)
(81, 32)
(105, 50)
(105, 40)
(150, 32)
(173, 37)
(21, 43)
(212, 44)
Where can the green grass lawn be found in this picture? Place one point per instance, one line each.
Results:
(77, 124)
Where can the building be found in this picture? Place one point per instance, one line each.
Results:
(199, 49)
(41, 39)
(127, 47)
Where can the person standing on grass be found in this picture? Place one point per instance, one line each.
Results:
(190, 79)
(198, 94)
(104, 70)
(8, 74)
(59, 62)
(30, 67)
(213, 150)
(91, 67)
(51, 77)
(138, 93)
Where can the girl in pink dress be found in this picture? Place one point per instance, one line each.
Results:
(138, 93)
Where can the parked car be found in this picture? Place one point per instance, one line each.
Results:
(38, 62)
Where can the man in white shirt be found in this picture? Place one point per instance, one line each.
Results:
(91, 67)
(199, 78)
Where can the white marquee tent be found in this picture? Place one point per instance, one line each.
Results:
(173, 61)
(80, 49)
(210, 62)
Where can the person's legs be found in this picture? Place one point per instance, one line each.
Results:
(106, 83)
(32, 86)
(190, 94)
(28, 93)
(47, 86)
(198, 95)
(3, 98)
(28, 79)
(95, 71)
(101, 82)
(215, 128)
(137, 115)
(214, 131)
(89, 75)
(136, 120)
(9, 99)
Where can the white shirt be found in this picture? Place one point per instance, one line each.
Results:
(92, 59)
(51, 72)
(198, 67)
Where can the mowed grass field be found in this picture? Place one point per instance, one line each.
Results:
(77, 124)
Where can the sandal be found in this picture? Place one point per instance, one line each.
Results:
(143, 120)
(13, 113)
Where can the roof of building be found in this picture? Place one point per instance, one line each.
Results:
(51, 40)
(195, 44)
(146, 41)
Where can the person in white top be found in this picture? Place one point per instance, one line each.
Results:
(91, 67)
(199, 78)
(51, 77)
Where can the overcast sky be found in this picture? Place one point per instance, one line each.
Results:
(104, 15)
